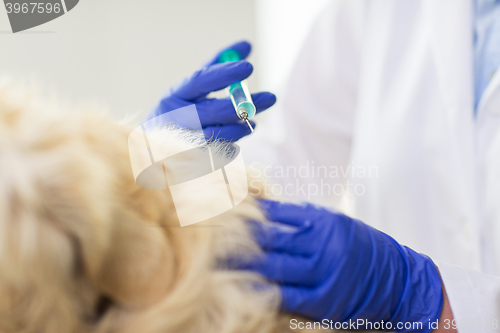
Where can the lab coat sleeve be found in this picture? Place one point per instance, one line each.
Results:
(474, 298)
(308, 133)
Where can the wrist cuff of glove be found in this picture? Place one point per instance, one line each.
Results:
(422, 299)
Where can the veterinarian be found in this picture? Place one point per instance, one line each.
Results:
(412, 88)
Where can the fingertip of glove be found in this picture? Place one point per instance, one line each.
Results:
(245, 66)
(238, 70)
(266, 95)
(266, 204)
(264, 100)
(243, 47)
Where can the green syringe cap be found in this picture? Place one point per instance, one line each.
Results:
(229, 55)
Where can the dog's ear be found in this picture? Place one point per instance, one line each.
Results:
(139, 267)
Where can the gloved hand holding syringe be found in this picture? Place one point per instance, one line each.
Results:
(221, 119)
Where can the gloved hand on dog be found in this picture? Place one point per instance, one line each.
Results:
(329, 266)
(218, 117)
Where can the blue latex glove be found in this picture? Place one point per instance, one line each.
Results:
(218, 117)
(330, 266)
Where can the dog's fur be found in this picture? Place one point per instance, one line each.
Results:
(84, 249)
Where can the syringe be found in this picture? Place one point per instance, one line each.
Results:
(238, 91)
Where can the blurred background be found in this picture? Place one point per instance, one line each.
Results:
(124, 54)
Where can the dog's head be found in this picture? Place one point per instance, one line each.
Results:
(83, 248)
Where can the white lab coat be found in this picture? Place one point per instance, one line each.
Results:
(389, 83)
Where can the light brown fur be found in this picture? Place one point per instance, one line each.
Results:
(84, 249)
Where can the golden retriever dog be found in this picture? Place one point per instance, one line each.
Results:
(84, 249)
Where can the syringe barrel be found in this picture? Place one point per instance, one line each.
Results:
(242, 100)
(238, 91)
